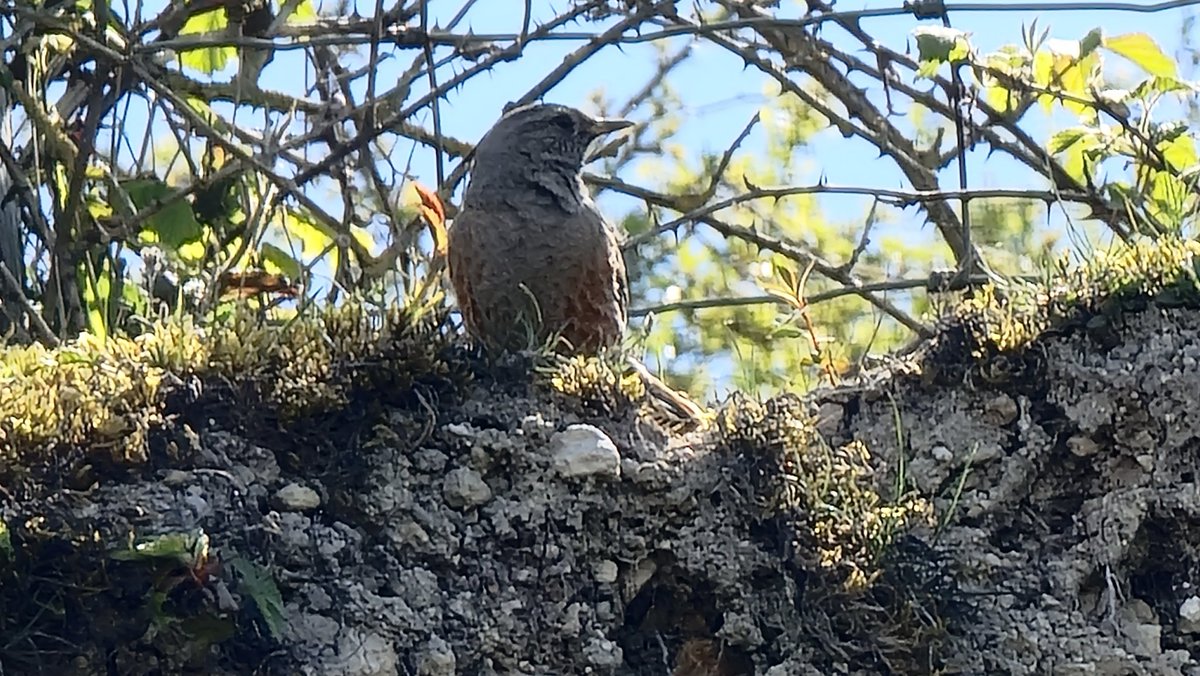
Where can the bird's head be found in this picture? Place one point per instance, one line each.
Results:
(544, 133)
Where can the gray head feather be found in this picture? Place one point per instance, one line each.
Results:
(532, 141)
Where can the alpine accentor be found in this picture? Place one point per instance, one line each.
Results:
(530, 255)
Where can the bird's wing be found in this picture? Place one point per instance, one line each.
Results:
(595, 287)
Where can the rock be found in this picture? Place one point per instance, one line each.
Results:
(1001, 410)
(437, 659)
(1189, 616)
(1144, 636)
(941, 453)
(464, 487)
(605, 571)
(829, 418)
(176, 477)
(296, 498)
(366, 654)
(603, 653)
(584, 450)
(1082, 446)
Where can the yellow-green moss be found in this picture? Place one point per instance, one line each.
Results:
(841, 522)
(999, 319)
(867, 597)
(109, 393)
(603, 381)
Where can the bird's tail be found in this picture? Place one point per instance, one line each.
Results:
(672, 406)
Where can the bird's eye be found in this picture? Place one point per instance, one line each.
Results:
(563, 121)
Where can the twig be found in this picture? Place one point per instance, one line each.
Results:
(930, 283)
(35, 318)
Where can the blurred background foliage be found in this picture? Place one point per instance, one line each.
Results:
(178, 158)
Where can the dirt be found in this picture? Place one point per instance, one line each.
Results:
(470, 533)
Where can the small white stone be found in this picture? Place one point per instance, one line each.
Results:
(584, 450)
(1082, 446)
(601, 652)
(462, 430)
(941, 453)
(605, 571)
(464, 487)
(296, 498)
(1189, 616)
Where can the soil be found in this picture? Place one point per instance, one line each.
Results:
(486, 532)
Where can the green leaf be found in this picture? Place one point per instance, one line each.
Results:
(939, 44)
(261, 588)
(6, 548)
(276, 260)
(189, 549)
(1091, 42)
(1180, 151)
(1141, 49)
(1066, 138)
(97, 291)
(1168, 198)
(207, 60)
(172, 226)
(306, 11)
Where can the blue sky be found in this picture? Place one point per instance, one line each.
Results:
(719, 95)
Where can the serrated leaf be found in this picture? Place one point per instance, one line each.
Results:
(207, 60)
(1000, 98)
(1168, 196)
(174, 225)
(1062, 66)
(1142, 50)
(314, 237)
(261, 588)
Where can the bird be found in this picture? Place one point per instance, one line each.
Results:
(531, 258)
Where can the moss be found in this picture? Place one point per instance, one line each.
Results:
(108, 394)
(1000, 319)
(601, 383)
(868, 595)
(842, 524)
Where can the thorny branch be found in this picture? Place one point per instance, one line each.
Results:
(347, 128)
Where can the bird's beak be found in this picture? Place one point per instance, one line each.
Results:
(604, 126)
